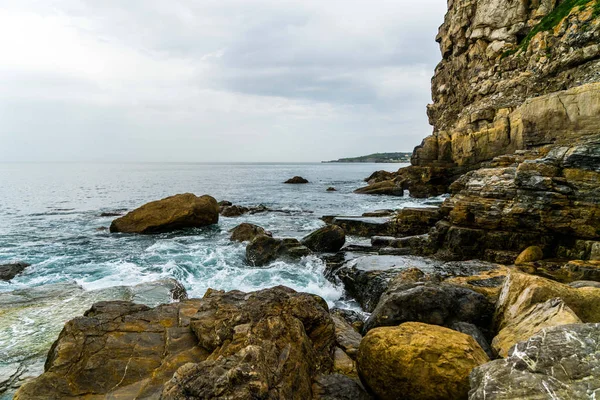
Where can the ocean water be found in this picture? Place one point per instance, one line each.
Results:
(50, 215)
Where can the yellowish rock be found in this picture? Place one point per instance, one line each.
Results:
(416, 361)
(522, 291)
(343, 364)
(530, 254)
(553, 312)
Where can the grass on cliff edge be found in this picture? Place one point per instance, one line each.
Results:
(551, 20)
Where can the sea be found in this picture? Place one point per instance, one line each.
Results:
(50, 217)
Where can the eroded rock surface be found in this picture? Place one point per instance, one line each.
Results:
(329, 238)
(561, 362)
(264, 249)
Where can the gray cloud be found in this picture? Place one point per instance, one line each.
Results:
(204, 80)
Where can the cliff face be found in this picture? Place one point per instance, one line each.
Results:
(502, 87)
(515, 75)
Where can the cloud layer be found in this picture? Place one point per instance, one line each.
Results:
(214, 80)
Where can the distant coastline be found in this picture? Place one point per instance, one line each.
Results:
(376, 158)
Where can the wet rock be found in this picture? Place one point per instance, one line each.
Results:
(522, 291)
(48, 307)
(561, 362)
(247, 232)
(338, 387)
(418, 361)
(248, 335)
(296, 180)
(169, 214)
(263, 250)
(353, 318)
(362, 226)
(330, 238)
(331, 189)
(224, 203)
(431, 303)
(553, 312)
(112, 213)
(530, 254)
(379, 213)
(236, 211)
(9, 271)
(389, 188)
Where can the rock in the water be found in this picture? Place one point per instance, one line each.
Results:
(416, 361)
(553, 312)
(235, 211)
(330, 238)
(530, 254)
(338, 387)
(9, 271)
(521, 291)
(247, 232)
(265, 249)
(296, 180)
(331, 189)
(431, 303)
(169, 214)
(362, 226)
(562, 362)
(390, 188)
(267, 344)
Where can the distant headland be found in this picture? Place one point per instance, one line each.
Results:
(376, 158)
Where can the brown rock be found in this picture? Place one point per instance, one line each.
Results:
(329, 238)
(416, 361)
(296, 180)
(247, 232)
(530, 254)
(169, 214)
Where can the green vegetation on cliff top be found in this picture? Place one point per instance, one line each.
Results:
(376, 158)
(551, 20)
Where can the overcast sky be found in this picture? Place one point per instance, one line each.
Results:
(214, 80)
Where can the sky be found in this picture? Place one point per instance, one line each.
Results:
(214, 80)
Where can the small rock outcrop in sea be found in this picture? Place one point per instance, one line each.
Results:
(274, 343)
(330, 238)
(331, 189)
(296, 180)
(264, 249)
(247, 232)
(169, 214)
(236, 211)
(561, 362)
(416, 361)
(9, 271)
(392, 187)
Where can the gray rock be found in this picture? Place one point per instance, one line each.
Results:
(338, 387)
(329, 238)
(9, 271)
(561, 362)
(264, 249)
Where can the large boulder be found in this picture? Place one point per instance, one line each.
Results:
(562, 362)
(125, 349)
(416, 361)
(521, 291)
(9, 271)
(176, 212)
(329, 238)
(264, 249)
(431, 303)
(272, 343)
(553, 312)
(247, 232)
(268, 344)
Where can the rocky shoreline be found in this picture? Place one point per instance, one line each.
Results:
(491, 292)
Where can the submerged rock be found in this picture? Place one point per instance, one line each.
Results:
(562, 362)
(169, 214)
(9, 271)
(296, 180)
(264, 249)
(329, 238)
(416, 361)
(247, 232)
